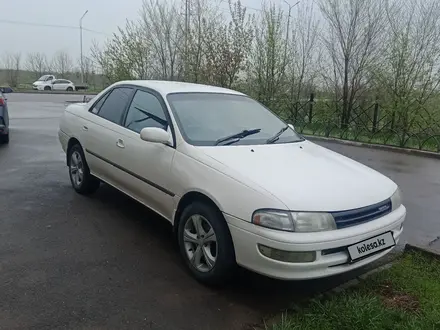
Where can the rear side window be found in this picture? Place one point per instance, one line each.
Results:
(115, 104)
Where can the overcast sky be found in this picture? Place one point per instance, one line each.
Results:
(104, 16)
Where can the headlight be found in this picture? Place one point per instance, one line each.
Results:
(294, 221)
(396, 199)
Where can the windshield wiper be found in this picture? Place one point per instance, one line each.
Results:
(276, 136)
(238, 136)
(148, 115)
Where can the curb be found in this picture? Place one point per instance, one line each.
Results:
(414, 152)
(423, 250)
(55, 92)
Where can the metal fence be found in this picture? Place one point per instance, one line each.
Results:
(414, 126)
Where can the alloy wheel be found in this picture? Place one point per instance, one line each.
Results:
(200, 243)
(76, 169)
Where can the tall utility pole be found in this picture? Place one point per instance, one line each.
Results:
(81, 45)
(288, 29)
(187, 16)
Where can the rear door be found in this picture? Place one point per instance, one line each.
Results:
(101, 138)
(56, 85)
(64, 84)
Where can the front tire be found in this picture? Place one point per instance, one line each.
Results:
(69, 89)
(206, 244)
(82, 181)
(47, 88)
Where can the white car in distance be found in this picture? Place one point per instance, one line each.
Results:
(239, 185)
(46, 79)
(57, 85)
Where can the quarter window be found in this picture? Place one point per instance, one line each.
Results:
(145, 111)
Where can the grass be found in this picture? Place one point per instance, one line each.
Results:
(406, 296)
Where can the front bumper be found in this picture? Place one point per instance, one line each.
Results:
(331, 247)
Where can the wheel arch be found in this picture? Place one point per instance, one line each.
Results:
(187, 199)
(72, 141)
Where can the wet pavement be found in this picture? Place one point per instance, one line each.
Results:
(418, 178)
(106, 262)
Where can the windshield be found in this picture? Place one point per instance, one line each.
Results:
(205, 118)
(43, 78)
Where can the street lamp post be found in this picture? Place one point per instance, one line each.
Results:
(288, 29)
(81, 45)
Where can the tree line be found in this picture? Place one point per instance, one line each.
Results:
(38, 64)
(340, 55)
(345, 51)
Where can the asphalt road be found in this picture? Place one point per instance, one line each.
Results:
(419, 180)
(106, 262)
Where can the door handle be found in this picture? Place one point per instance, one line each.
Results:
(85, 128)
(120, 143)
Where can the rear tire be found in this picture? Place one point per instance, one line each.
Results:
(69, 89)
(207, 251)
(82, 181)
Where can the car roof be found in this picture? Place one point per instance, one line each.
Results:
(168, 87)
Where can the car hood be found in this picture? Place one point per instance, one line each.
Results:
(303, 175)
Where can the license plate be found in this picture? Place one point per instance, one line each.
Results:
(371, 246)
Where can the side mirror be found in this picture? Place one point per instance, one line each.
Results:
(155, 135)
(291, 126)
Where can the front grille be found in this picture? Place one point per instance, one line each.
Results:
(355, 217)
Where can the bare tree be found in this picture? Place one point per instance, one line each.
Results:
(354, 29)
(227, 47)
(303, 58)
(88, 67)
(266, 72)
(12, 65)
(162, 23)
(62, 63)
(37, 64)
(126, 55)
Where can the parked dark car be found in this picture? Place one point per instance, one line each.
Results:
(4, 116)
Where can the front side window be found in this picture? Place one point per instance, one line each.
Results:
(115, 104)
(145, 111)
(43, 78)
(205, 119)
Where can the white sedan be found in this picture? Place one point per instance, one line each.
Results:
(57, 85)
(238, 184)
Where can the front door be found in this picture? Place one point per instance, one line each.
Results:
(148, 164)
